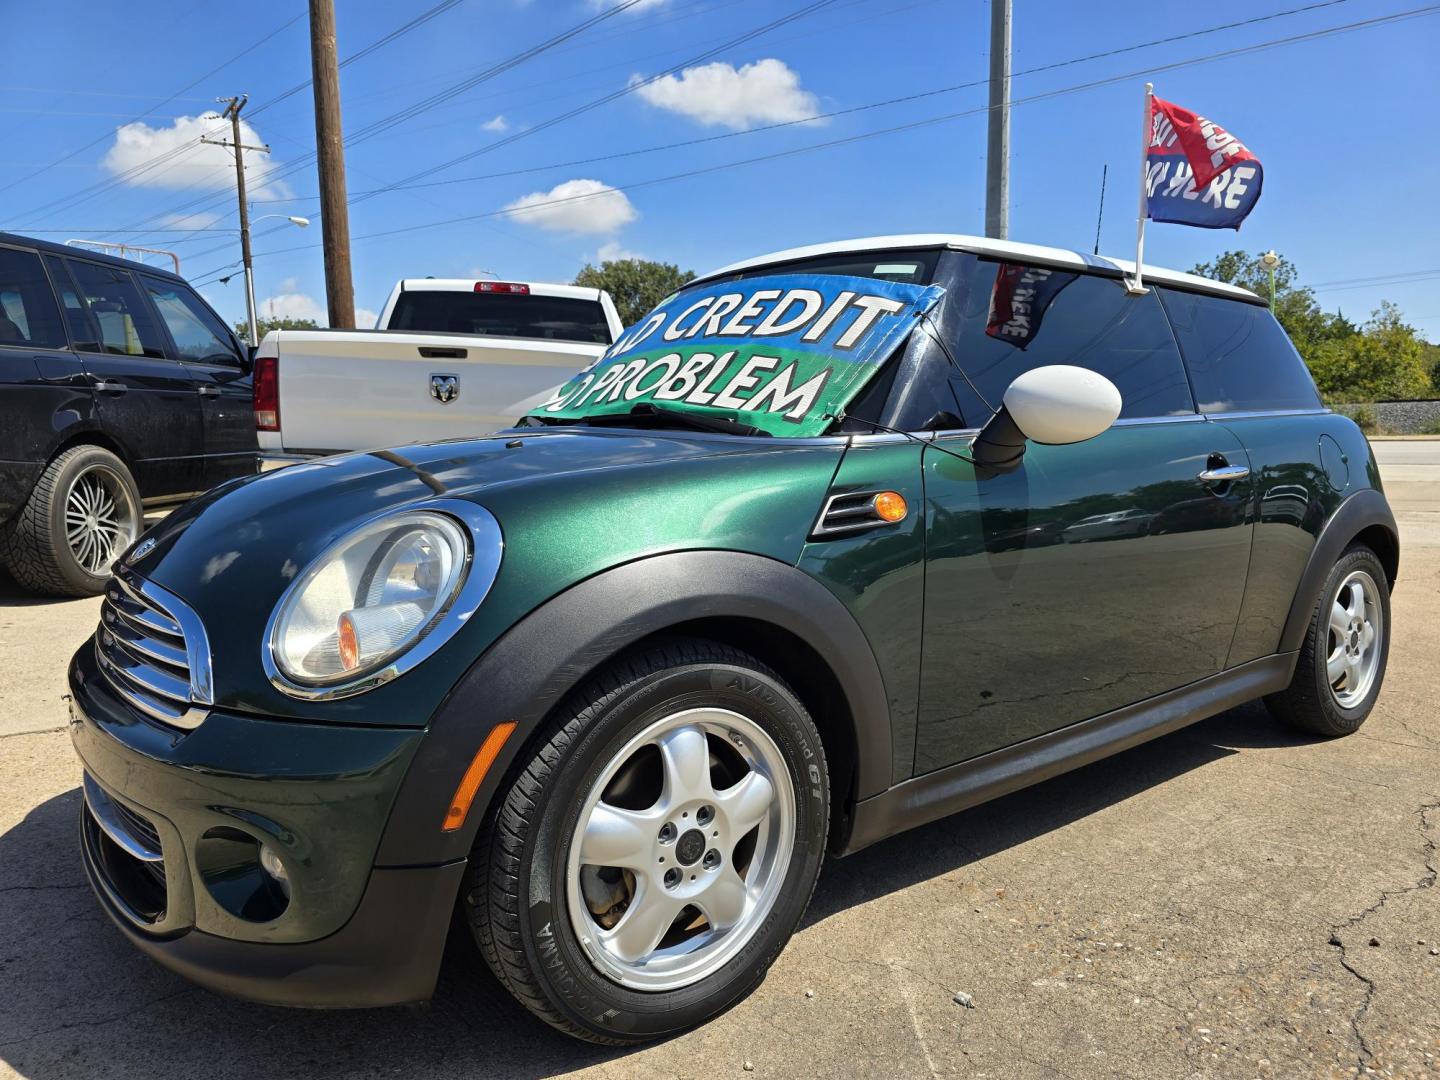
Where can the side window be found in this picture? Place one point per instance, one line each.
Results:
(198, 334)
(1240, 359)
(124, 322)
(82, 333)
(1013, 317)
(28, 313)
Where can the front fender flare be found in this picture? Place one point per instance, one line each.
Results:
(546, 654)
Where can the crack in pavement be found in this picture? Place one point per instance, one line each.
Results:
(1367, 1054)
(102, 1021)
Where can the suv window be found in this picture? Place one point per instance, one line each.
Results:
(125, 324)
(76, 320)
(198, 334)
(1240, 359)
(512, 315)
(28, 313)
(1010, 317)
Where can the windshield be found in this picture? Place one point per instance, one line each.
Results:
(776, 354)
(511, 315)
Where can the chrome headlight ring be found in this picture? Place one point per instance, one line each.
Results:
(424, 632)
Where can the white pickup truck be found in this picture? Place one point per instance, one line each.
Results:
(448, 358)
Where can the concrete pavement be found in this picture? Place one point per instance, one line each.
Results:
(1229, 901)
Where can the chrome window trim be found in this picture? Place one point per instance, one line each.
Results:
(486, 547)
(1250, 414)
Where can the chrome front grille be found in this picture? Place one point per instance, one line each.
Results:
(153, 651)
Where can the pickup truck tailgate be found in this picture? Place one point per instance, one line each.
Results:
(345, 389)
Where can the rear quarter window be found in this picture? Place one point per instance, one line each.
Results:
(1239, 357)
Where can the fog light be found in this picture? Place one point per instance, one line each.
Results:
(271, 864)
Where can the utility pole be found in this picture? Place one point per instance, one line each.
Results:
(232, 113)
(997, 163)
(330, 151)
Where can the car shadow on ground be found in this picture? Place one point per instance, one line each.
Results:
(80, 1001)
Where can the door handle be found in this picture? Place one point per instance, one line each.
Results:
(105, 386)
(209, 391)
(1224, 474)
(434, 352)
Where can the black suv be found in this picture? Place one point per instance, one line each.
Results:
(120, 388)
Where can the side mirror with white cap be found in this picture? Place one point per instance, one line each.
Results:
(1055, 404)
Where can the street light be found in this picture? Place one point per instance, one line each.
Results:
(1270, 261)
(301, 222)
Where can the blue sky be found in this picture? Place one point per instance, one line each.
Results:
(1345, 126)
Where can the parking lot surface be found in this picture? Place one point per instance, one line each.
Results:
(1231, 900)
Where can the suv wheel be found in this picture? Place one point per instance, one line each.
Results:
(1342, 660)
(657, 847)
(83, 512)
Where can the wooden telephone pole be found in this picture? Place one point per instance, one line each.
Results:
(330, 149)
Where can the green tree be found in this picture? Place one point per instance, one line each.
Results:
(1384, 361)
(636, 285)
(242, 328)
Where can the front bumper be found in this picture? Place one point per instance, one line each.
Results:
(173, 824)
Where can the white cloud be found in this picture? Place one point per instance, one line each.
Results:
(174, 157)
(498, 123)
(612, 250)
(643, 5)
(189, 221)
(290, 303)
(576, 206)
(719, 94)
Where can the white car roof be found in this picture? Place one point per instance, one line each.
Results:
(1005, 249)
(537, 288)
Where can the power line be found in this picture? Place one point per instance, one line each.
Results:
(909, 126)
(901, 100)
(404, 185)
(434, 100)
(173, 97)
(379, 43)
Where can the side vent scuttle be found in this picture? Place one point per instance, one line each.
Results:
(845, 515)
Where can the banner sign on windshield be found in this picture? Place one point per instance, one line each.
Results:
(784, 353)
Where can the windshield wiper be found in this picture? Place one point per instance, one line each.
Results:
(647, 416)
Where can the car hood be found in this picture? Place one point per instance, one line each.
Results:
(265, 528)
(570, 503)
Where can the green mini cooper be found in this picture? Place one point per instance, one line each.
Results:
(833, 543)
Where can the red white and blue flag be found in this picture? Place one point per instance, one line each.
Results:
(1196, 172)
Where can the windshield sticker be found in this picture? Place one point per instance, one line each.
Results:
(784, 353)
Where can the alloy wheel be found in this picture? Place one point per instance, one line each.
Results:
(681, 848)
(1355, 637)
(100, 519)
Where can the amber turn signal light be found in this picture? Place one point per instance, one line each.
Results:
(475, 775)
(890, 506)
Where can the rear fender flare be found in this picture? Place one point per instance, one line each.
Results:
(546, 654)
(1360, 511)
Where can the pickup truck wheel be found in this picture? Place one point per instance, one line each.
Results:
(83, 512)
(656, 848)
(1342, 659)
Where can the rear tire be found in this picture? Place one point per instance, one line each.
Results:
(83, 512)
(615, 776)
(1342, 659)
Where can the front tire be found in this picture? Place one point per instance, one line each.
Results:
(83, 512)
(1342, 659)
(657, 847)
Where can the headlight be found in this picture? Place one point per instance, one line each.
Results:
(375, 595)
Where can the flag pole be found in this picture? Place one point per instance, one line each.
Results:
(1136, 285)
